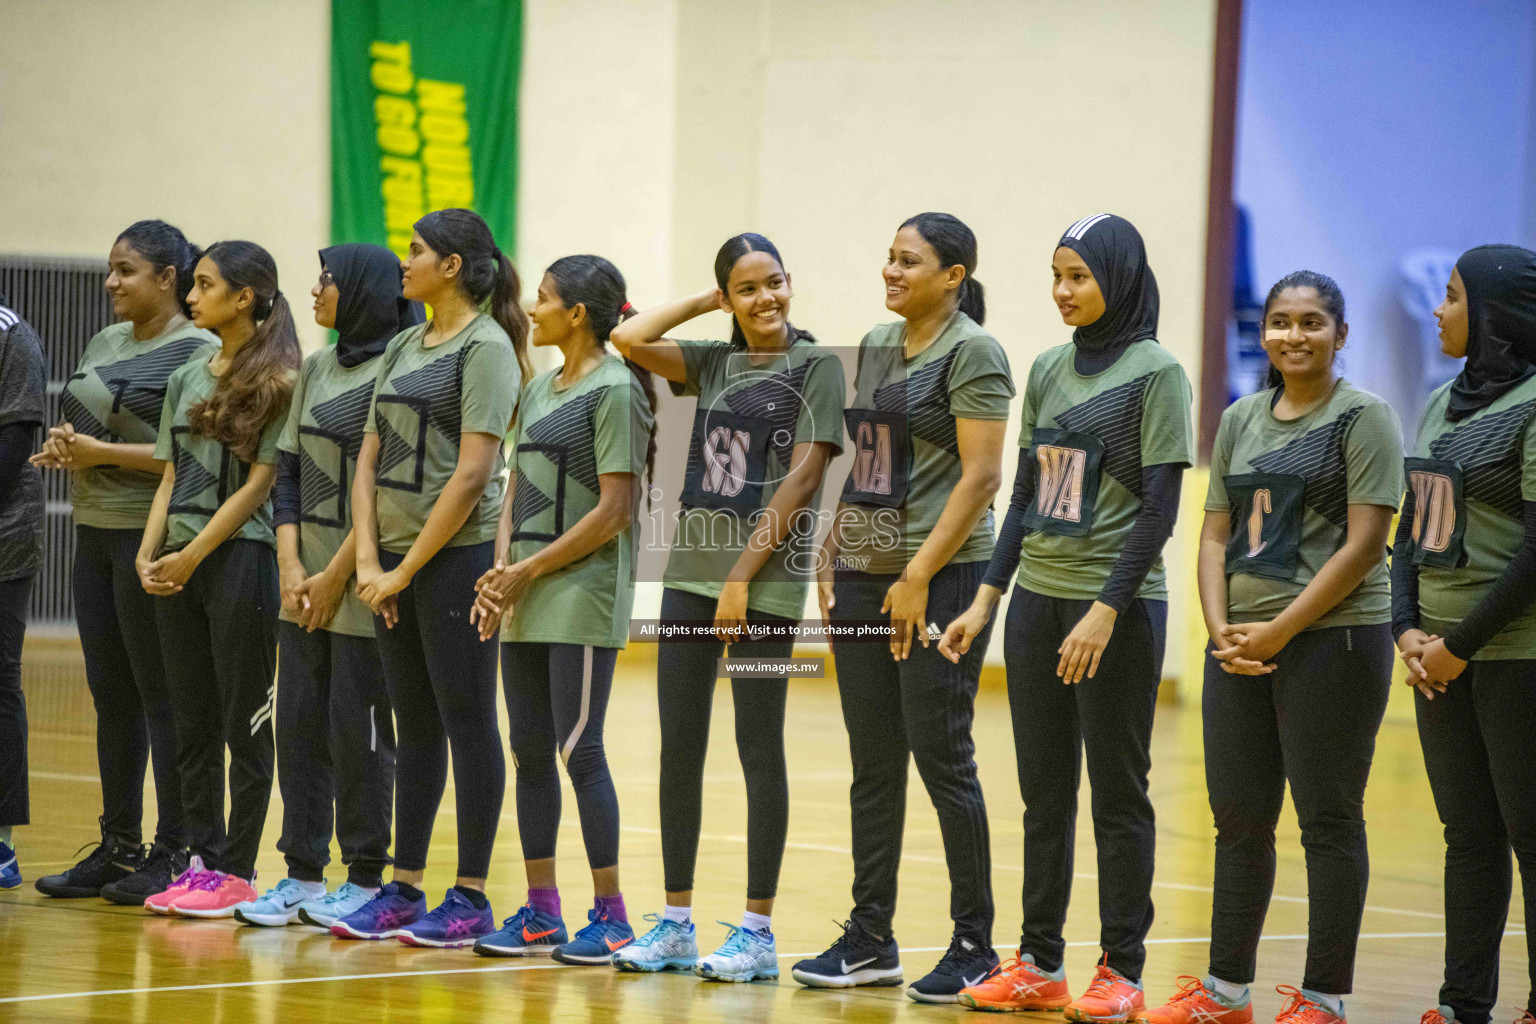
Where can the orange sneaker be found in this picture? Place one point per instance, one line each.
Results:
(216, 895)
(1195, 1004)
(1436, 1017)
(1110, 999)
(1018, 985)
(160, 902)
(1301, 1010)
(1527, 1018)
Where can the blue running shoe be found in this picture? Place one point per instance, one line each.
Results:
(526, 932)
(279, 906)
(668, 946)
(746, 956)
(381, 917)
(597, 942)
(454, 924)
(10, 871)
(324, 911)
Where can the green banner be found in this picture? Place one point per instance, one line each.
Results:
(423, 115)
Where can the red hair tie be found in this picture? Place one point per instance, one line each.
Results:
(626, 308)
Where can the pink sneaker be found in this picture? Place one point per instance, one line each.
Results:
(160, 902)
(215, 895)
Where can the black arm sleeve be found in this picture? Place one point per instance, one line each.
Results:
(1509, 596)
(1005, 556)
(1405, 575)
(285, 490)
(15, 447)
(1160, 486)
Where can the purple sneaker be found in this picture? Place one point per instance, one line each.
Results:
(453, 924)
(381, 917)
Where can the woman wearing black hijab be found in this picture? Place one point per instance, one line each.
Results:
(1106, 437)
(1462, 566)
(335, 735)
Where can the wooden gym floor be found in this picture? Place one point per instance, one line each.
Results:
(85, 960)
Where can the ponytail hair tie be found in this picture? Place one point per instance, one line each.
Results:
(496, 255)
(626, 308)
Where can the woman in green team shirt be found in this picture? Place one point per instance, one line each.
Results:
(769, 418)
(1105, 439)
(208, 556)
(424, 506)
(566, 584)
(911, 538)
(1305, 477)
(335, 733)
(111, 416)
(1462, 566)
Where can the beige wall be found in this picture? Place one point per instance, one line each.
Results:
(653, 129)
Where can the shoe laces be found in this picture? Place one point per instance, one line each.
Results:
(1299, 1002)
(735, 940)
(523, 916)
(598, 925)
(1527, 1018)
(1104, 979)
(954, 958)
(1435, 1017)
(208, 881)
(1190, 989)
(846, 941)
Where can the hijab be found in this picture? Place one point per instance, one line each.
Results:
(1113, 250)
(1500, 282)
(369, 308)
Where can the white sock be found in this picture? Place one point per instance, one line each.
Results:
(1237, 995)
(756, 922)
(1333, 1004)
(312, 888)
(681, 915)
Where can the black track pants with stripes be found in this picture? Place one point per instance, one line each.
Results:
(335, 753)
(1110, 716)
(917, 710)
(218, 637)
(557, 697)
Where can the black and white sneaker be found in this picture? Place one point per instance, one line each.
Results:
(160, 866)
(966, 963)
(111, 861)
(856, 958)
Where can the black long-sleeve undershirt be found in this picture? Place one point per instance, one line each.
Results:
(1160, 487)
(1405, 575)
(285, 490)
(16, 441)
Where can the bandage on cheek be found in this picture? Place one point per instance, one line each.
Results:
(1276, 335)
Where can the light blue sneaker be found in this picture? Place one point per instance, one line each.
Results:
(668, 946)
(747, 955)
(10, 871)
(279, 906)
(324, 911)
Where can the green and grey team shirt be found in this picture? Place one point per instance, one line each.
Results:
(1287, 486)
(207, 472)
(1470, 480)
(1090, 436)
(116, 395)
(424, 399)
(906, 450)
(750, 416)
(325, 430)
(565, 440)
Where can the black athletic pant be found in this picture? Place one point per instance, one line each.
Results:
(1110, 716)
(335, 748)
(219, 640)
(14, 808)
(922, 707)
(1478, 750)
(557, 697)
(124, 669)
(442, 685)
(1312, 722)
(685, 688)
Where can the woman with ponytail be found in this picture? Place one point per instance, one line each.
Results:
(1305, 476)
(208, 556)
(769, 418)
(910, 541)
(562, 590)
(425, 504)
(111, 418)
(1105, 440)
